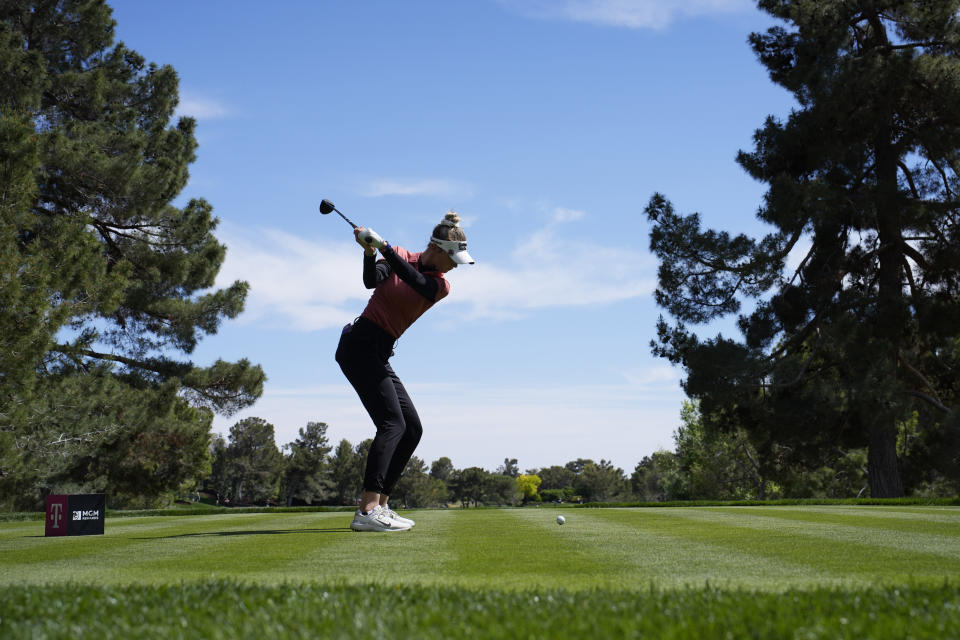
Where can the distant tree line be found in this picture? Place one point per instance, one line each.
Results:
(246, 467)
(710, 464)
(249, 468)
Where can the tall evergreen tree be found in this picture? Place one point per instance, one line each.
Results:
(346, 473)
(441, 469)
(863, 181)
(99, 273)
(254, 464)
(306, 469)
(219, 481)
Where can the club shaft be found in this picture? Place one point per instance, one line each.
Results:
(350, 222)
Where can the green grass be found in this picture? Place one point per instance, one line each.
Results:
(781, 571)
(228, 610)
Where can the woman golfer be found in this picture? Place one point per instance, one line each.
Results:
(405, 285)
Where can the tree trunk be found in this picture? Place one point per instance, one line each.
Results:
(892, 314)
(292, 489)
(882, 469)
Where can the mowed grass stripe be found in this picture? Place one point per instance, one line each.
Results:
(837, 530)
(911, 512)
(422, 556)
(941, 525)
(511, 549)
(29, 534)
(525, 548)
(160, 551)
(268, 549)
(28, 556)
(320, 547)
(661, 549)
(834, 562)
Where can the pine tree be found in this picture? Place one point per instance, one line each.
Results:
(306, 469)
(253, 462)
(863, 176)
(99, 273)
(346, 473)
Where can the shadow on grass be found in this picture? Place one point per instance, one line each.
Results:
(259, 532)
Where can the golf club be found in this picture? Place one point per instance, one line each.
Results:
(326, 207)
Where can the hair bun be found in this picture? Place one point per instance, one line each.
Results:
(451, 219)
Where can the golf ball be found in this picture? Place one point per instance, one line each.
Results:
(561, 519)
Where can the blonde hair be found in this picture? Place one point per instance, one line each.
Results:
(449, 228)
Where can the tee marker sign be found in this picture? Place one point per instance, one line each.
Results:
(76, 515)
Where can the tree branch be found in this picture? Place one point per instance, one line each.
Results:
(914, 45)
(929, 399)
(909, 176)
(803, 369)
(130, 362)
(802, 264)
(940, 170)
(918, 375)
(909, 272)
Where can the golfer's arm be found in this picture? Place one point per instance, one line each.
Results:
(374, 272)
(424, 285)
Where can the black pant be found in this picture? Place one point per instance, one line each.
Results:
(363, 355)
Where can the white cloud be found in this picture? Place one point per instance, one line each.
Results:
(548, 271)
(295, 282)
(290, 279)
(399, 187)
(561, 214)
(200, 108)
(633, 14)
(655, 377)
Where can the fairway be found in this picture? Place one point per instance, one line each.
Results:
(758, 548)
(672, 572)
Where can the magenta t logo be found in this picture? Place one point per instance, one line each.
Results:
(56, 516)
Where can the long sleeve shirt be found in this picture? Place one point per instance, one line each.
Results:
(403, 291)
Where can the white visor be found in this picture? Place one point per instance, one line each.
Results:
(456, 249)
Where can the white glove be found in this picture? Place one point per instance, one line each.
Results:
(371, 238)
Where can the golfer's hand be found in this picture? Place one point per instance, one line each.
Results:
(369, 238)
(367, 249)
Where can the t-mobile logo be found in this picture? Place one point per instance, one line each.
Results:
(56, 514)
(75, 515)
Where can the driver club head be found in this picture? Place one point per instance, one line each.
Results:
(326, 207)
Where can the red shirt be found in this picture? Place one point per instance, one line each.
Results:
(394, 305)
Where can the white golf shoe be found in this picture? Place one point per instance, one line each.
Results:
(396, 517)
(376, 520)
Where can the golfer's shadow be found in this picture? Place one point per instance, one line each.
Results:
(252, 532)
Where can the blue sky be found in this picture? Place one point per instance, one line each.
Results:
(546, 125)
